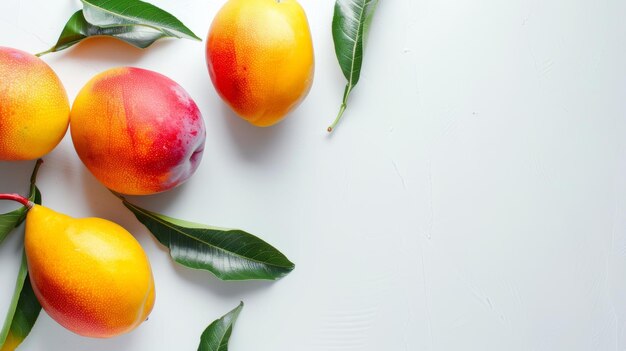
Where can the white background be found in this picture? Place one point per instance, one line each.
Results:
(472, 199)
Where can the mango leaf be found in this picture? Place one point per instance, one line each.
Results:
(78, 29)
(135, 22)
(217, 335)
(10, 220)
(111, 13)
(24, 308)
(23, 312)
(351, 22)
(230, 254)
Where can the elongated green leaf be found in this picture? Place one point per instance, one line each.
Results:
(112, 13)
(217, 335)
(78, 29)
(230, 254)
(351, 22)
(24, 308)
(22, 314)
(136, 22)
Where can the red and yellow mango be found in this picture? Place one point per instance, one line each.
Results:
(260, 58)
(137, 131)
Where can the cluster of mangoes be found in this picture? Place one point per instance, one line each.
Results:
(138, 132)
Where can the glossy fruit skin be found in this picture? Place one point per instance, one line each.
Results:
(90, 275)
(260, 58)
(34, 109)
(137, 131)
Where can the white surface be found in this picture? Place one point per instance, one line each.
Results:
(472, 199)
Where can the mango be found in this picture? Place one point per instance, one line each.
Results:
(260, 58)
(137, 131)
(34, 109)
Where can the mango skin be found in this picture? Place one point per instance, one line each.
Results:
(260, 58)
(137, 131)
(90, 275)
(34, 109)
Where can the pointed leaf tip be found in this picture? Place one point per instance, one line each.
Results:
(217, 335)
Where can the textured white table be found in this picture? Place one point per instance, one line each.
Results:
(474, 197)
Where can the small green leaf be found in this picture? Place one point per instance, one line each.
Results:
(351, 22)
(230, 254)
(111, 13)
(216, 336)
(10, 220)
(23, 312)
(78, 29)
(36, 198)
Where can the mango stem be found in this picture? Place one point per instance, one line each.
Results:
(18, 198)
(33, 176)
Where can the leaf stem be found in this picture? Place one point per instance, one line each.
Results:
(344, 104)
(18, 198)
(45, 52)
(339, 115)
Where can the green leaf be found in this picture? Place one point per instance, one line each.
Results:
(10, 220)
(78, 29)
(351, 22)
(36, 198)
(230, 254)
(135, 22)
(24, 308)
(216, 336)
(23, 312)
(111, 13)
